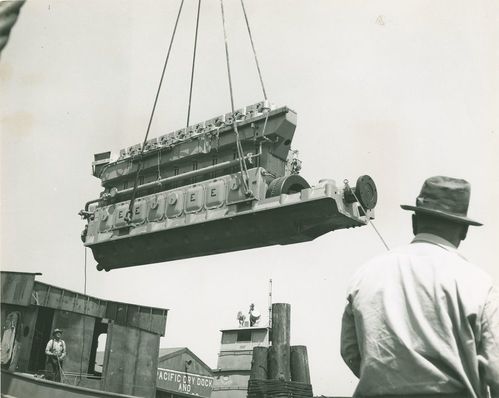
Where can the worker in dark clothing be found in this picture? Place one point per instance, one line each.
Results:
(55, 352)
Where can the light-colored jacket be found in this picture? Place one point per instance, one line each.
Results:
(422, 320)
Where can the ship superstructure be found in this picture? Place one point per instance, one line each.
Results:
(234, 360)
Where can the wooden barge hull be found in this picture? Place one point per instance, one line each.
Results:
(16, 385)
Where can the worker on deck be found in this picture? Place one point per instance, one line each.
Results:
(421, 321)
(254, 315)
(55, 352)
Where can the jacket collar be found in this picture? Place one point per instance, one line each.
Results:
(434, 239)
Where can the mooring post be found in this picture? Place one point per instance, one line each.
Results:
(259, 364)
(279, 352)
(299, 364)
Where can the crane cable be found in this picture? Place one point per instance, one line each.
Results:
(240, 152)
(139, 167)
(257, 66)
(193, 63)
(254, 51)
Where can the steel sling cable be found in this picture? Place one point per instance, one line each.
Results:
(368, 219)
(254, 51)
(137, 175)
(257, 64)
(240, 152)
(193, 63)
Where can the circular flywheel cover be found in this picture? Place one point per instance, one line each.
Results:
(366, 192)
(287, 185)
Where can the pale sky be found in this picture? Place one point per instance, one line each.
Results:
(397, 90)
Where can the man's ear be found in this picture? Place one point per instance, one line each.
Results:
(414, 224)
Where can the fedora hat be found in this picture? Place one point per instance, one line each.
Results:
(444, 197)
(57, 331)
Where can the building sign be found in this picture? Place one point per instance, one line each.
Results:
(185, 383)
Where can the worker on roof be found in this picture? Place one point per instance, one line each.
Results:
(55, 352)
(421, 320)
(254, 315)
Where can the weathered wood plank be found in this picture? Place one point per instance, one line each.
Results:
(129, 368)
(17, 287)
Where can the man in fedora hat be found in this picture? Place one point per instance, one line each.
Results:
(55, 352)
(421, 321)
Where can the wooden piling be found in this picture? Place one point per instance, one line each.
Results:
(279, 363)
(299, 364)
(279, 352)
(259, 363)
(281, 321)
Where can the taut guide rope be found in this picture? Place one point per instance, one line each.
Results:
(368, 219)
